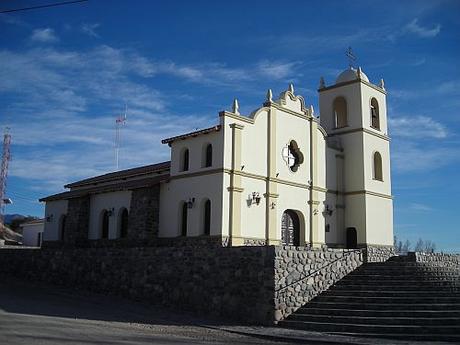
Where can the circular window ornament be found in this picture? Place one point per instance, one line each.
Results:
(292, 155)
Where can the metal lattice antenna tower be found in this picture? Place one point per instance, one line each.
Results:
(6, 157)
(119, 123)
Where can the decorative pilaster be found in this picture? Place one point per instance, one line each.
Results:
(235, 188)
(313, 202)
(271, 186)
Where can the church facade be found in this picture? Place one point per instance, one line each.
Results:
(278, 176)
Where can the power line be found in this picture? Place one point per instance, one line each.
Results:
(43, 6)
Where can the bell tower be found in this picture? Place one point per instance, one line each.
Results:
(353, 112)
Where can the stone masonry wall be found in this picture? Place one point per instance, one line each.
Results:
(256, 285)
(437, 259)
(378, 253)
(144, 213)
(77, 223)
(236, 283)
(302, 274)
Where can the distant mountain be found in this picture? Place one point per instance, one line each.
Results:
(10, 217)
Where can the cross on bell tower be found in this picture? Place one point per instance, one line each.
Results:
(351, 57)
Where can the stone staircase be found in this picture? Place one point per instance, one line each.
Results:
(396, 299)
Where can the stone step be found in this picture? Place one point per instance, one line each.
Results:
(391, 293)
(412, 276)
(387, 299)
(394, 267)
(364, 328)
(380, 287)
(358, 304)
(407, 337)
(362, 311)
(391, 263)
(414, 279)
(408, 273)
(371, 319)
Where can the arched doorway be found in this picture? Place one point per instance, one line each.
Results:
(62, 227)
(123, 222)
(352, 238)
(105, 224)
(290, 228)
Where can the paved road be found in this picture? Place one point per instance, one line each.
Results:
(32, 314)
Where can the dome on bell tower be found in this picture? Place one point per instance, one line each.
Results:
(351, 74)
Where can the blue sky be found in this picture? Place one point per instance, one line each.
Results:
(66, 73)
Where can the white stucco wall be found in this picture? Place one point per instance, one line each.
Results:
(30, 234)
(290, 127)
(196, 146)
(54, 210)
(351, 94)
(355, 215)
(175, 192)
(379, 220)
(374, 144)
(115, 201)
(367, 93)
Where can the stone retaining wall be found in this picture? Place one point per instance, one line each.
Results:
(302, 274)
(233, 282)
(374, 253)
(437, 259)
(256, 285)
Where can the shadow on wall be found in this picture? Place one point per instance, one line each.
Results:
(18, 297)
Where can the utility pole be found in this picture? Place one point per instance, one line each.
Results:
(6, 157)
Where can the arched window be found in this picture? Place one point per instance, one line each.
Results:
(207, 217)
(184, 215)
(123, 223)
(340, 112)
(105, 224)
(62, 227)
(208, 156)
(375, 117)
(378, 174)
(185, 160)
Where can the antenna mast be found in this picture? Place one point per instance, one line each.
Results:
(120, 121)
(6, 157)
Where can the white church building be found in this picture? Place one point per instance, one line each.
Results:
(280, 175)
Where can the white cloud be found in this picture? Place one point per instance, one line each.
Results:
(417, 127)
(420, 207)
(451, 87)
(409, 157)
(418, 62)
(424, 32)
(69, 100)
(277, 70)
(90, 29)
(45, 35)
(58, 139)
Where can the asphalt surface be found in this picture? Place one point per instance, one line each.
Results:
(38, 314)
